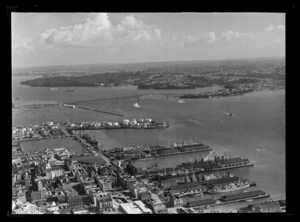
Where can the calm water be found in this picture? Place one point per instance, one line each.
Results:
(256, 130)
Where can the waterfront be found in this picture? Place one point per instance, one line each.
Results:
(256, 130)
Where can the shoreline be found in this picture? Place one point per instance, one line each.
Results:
(132, 97)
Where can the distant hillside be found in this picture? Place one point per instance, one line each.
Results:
(181, 66)
(172, 75)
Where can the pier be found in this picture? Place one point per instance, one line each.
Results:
(108, 112)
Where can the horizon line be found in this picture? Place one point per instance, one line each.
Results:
(131, 63)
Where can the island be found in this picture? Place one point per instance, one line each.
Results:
(238, 77)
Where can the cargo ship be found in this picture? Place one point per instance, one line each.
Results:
(203, 166)
(230, 187)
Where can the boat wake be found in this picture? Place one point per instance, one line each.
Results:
(227, 113)
(195, 121)
(262, 149)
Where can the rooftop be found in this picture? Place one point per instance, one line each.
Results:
(243, 195)
(130, 208)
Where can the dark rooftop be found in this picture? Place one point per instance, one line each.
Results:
(243, 195)
(185, 185)
(201, 202)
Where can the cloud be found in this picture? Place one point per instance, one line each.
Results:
(192, 41)
(276, 41)
(97, 32)
(272, 28)
(211, 37)
(232, 35)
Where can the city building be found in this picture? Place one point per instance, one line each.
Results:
(130, 208)
(104, 184)
(73, 199)
(79, 210)
(37, 196)
(156, 203)
(143, 207)
(264, 207)
(103, 201)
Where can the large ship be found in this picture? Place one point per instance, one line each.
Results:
(203, 166)
(230, 187)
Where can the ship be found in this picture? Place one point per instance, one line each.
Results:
(136, 105)
(230, 187)
(204, 166)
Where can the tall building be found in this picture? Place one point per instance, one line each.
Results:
(104, 184)
(73, 200)
(187, 178)
(103, 202)
(194, 177)
(40, 186)
(37, 196)
(27, 182)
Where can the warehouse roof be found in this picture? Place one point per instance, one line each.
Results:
(243, 195)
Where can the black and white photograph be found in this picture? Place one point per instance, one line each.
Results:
(148, 112)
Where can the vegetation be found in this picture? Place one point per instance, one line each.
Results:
(181, 75)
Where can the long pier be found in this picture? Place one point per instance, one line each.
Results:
(100, 111)
(108, 112)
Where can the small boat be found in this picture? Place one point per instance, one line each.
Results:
(136, 105)
(181, 101)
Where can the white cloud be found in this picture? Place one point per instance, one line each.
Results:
(231, 35)
(208, 38)
(98, 31)
(272, 28)
(211, 37)
(276, 41)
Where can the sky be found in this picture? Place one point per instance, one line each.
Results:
(44, 39)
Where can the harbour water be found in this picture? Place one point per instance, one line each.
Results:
(255, 131)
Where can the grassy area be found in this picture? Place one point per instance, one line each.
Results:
(40, 145)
